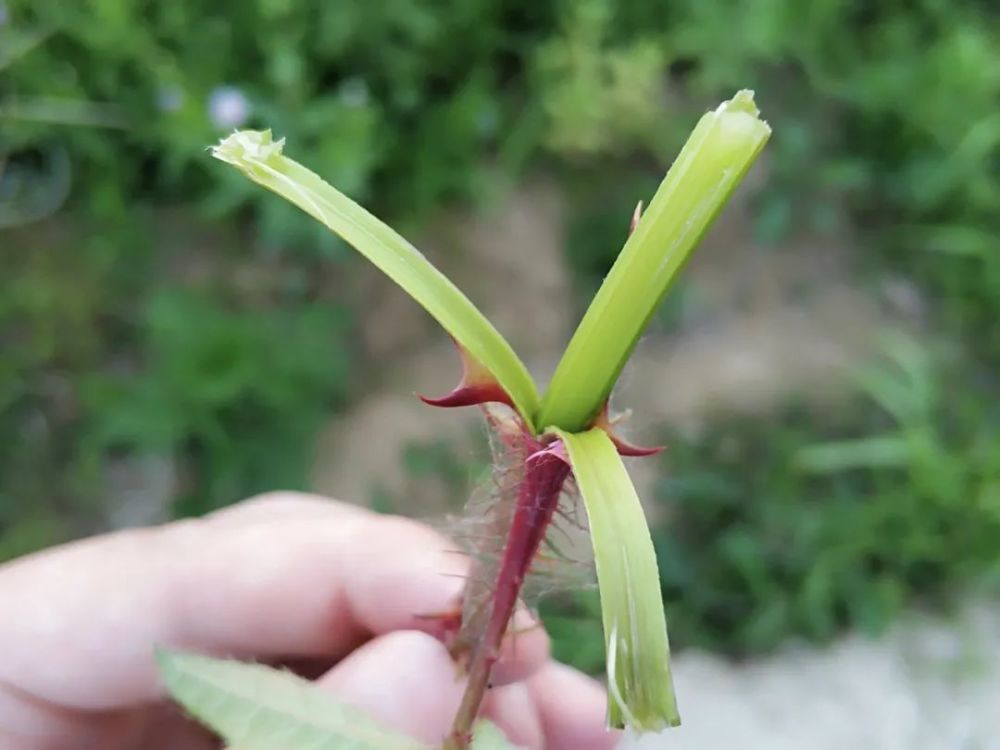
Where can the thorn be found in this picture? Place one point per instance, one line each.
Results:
(636, 215)
(477, 386)
(449, 623)
(624, 447)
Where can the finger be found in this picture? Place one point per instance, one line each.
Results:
(572, 709)
(400, 571)
(276, 506)
(292, 586)
(512, 709)
(284, 587)
(525, 648)
(26, 722)
(405, 681)
(166, 727)
(523, 651)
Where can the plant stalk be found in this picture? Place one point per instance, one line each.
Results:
(537, 500)
(712, 163)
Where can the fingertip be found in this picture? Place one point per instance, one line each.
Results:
(525, 649)
(572, 708)
(307, 586)
(412, 572)
(296, 577)
(404, 680)
(283, 505)
(511, 708)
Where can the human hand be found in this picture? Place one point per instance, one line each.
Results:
(331, 589)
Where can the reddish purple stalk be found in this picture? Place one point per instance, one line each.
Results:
(537, 499)
(545, 465)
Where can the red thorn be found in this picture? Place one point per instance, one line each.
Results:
(628, 449)
(449, 620)
(624, 447)
(636, 215)
(448, 626)
(477, 386)
(465, 395)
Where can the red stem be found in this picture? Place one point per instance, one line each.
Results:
(537, 500)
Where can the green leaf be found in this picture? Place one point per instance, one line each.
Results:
(713, 161)
(640, 688)
(254, 707)
(487, 736)
(260, 158)
(258, 708)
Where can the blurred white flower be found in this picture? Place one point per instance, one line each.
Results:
(354, 92)
(169, 99)
(228, 107)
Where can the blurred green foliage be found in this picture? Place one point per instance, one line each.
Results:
(774, 534)
(890, 111)
(113, 346)
(238, 393)
(889, 108)
(771, 535)
(125, 333)
(392, 102)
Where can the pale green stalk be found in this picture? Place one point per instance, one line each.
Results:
(640, 687)
(713, 161)
(260, 158)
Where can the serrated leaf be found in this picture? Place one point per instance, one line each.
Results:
(260, 158)
(640, 687)
(255, 707)
(487, 736)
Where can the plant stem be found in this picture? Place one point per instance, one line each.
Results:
(537, 500)
(640, 687)
(718, 153)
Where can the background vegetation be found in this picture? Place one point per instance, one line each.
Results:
(152, 304)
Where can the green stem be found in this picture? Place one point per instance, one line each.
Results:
(640, 687)
(713, 161)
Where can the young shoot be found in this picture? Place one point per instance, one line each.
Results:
(554, 447)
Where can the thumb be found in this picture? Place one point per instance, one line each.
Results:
(404, 680)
